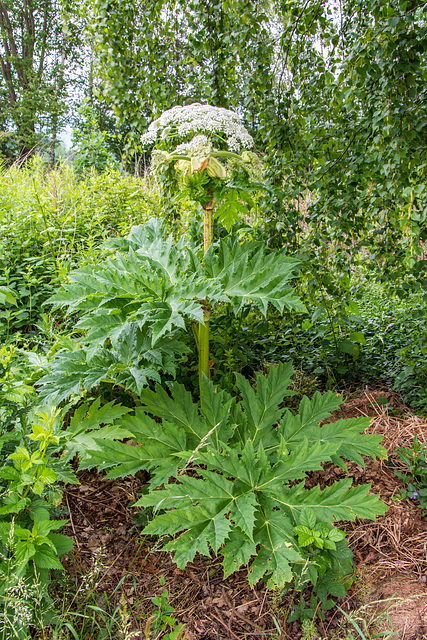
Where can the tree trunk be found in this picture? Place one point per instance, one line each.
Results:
(26, 137)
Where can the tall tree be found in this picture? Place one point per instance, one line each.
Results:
(34, 45)
(152, 55)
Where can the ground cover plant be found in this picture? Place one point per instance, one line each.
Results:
(415, 474)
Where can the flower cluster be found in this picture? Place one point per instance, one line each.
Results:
(159, 160)
(203, 121)
(198, 147)
(253, 165)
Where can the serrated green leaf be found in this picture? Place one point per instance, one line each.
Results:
(244, 273)
(84, 443)
(310, 413)
(358, 336)
(63, 544)
(329, 544)
(24, 551)
(340, 501)
(20, 454)
(226, 474)
(216, 410)
(237, 551)
(127, 459)
(14, 507)
(201, 526)
(235, 204)
(90, 415)
(308, 518)
(46, 558)
(9, 473)
(188, 544)
(336, 535)
(46, 475)
(276, 553)
(39, 514)
(178, 409)
(346, 433)
(261, 406)
(296, 464)
(244, 513)
(305, 535)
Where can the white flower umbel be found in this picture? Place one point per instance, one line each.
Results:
(201, 127)
(200, 120)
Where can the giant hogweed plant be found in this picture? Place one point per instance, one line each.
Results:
(135, 305)
(229, 477)
(226, 477)
(213, 173)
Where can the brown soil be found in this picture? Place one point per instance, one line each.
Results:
(112, 557)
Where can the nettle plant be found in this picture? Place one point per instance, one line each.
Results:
(30, 546)
(227, 476)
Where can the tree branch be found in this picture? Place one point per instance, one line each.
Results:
(44, 37)
(7, 76)
(8, 36)
(342, 154)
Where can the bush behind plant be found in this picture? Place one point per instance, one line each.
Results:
(51, 221)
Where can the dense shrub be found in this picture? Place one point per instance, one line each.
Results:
(51, 221)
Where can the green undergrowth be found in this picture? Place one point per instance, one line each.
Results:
(396, 336)
(52, 220)
(392, 345)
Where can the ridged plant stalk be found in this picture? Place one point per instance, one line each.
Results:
(203, 337)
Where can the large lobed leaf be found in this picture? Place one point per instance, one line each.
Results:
(225, 474)
(133, 364)
(134, 306)
(247, 274)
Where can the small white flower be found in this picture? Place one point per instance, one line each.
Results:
(149, 137)
(253, 165)
(159, 159)
(198, 147)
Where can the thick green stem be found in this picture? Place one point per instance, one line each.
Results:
(204, 367)
(204, 328)
(208, 225)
